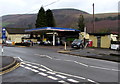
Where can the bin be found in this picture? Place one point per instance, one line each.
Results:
(90, 43)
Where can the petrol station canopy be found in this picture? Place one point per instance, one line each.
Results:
(51, 29)
(61, 31)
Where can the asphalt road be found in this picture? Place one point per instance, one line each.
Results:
(46, 65)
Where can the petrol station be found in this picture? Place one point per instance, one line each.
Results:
(54, 33)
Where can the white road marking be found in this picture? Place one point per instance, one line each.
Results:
(49, 57)
(70, 75)
(46, 68)
(19, 58)
(28, 68)
(51, 72)
(69, 60)
(43, 74)
(72, 80)
(35, 67)
(58, 59)
(61, 81)
(40, 65)
(60, 73)
(34, 70)
(61, 76)
(80, 63)
(100, 67)
(43, 56)
(91, 80)
(51, 77)
(37, 54)
(28, 64)
(41, 69)
(22, 65)
(115, 70)
(32, 63)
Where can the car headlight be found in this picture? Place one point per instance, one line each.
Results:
(78, 43)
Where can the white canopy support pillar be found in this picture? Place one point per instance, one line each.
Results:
(53, 38)
(43, 37)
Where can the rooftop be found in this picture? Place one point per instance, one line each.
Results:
(16, 30)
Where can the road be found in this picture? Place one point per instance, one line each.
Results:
(46, 65)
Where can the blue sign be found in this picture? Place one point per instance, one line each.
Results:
(3, 33)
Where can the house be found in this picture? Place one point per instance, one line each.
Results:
(102, 40)
(16, 34)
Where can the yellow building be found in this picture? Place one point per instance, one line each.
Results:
(102, 40)
(83, 35)
(16, 34)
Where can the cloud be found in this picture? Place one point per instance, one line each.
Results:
(32, 6)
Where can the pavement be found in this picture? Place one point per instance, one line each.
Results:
(7, 64)
(95, 53)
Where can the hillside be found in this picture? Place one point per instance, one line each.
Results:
(65, 18)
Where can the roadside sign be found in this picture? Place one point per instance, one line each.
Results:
(3, 33)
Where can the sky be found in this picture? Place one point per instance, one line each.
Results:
(32, 6)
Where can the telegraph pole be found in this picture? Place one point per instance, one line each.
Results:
(93, 20)
(118, 21)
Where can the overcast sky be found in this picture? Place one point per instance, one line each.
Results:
(32, 6)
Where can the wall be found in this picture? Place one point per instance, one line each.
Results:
(15, 37)
(94, 39)
(105, 41)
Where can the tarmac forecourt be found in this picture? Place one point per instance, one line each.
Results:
(8, 64)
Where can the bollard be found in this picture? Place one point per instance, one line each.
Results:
(65, 46)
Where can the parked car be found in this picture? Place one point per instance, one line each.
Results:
(115, 45)
(47, 42)
(26, 43)
(9, 42)
(77, 43)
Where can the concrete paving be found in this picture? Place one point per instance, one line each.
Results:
(103, 54)
(96, 53)
(99, 51)
(7, 63)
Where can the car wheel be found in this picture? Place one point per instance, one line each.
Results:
(81, 47)
(118, 49)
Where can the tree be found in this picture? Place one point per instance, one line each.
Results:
(50, 18)
(41, 18)
(81, 23)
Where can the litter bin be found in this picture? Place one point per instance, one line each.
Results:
(90, 43)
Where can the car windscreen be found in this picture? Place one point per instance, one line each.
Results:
(77, 40)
